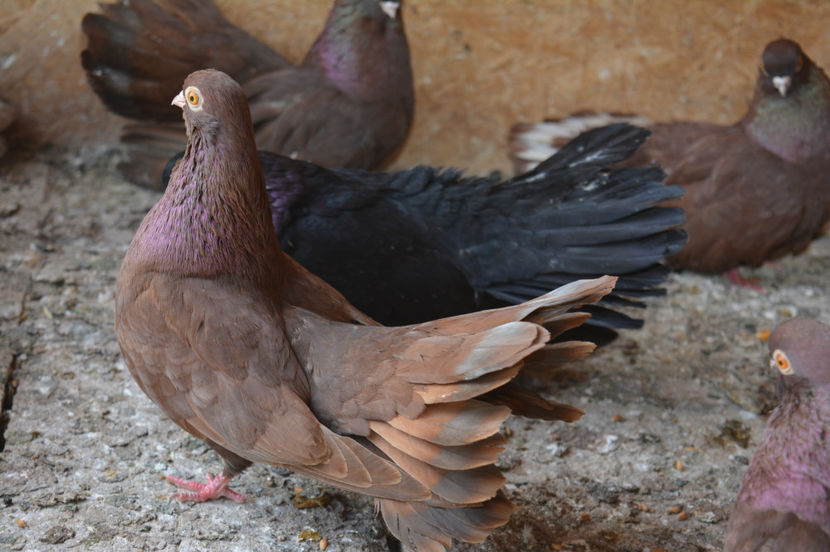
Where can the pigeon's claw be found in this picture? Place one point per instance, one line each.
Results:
(216, 487)
(736, 279)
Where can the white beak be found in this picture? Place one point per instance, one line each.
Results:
(390, 8)
(782, 84)
(178, 100)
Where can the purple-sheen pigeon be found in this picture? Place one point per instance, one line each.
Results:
(784, 500)
(248, 351)
(348, 104)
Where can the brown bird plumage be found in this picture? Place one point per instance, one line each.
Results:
(348, 104)
(755, 190)
(246, 350)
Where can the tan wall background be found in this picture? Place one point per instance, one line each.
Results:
(479, 65)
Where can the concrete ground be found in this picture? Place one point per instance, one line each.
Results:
(674, 411)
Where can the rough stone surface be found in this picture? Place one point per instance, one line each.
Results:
(673, 411)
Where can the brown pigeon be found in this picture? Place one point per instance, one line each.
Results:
(245, 349)
(348, 104)
(755, 190)
(784, 500)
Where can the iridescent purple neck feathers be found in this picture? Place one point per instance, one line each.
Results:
(781, 476)
(783, 500)
(352, 57)
(214, 216)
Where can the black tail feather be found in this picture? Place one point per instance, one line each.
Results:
(438, 235)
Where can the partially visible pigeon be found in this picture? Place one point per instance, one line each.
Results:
(248, 351)
(784, 500)
(422, 244)
(755, 190)
(348, 104)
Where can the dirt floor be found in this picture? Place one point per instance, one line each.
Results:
(674, 411)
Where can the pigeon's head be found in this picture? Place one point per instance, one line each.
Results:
(211, 100)
(800, 350)
(374, 14)
(783, 66)
(384, 11)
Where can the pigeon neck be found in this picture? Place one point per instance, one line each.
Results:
(795, 127)
(365, 56)
(778, 478)
(213, 219)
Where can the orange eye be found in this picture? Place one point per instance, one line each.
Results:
(780, 361)
(194, 97)
(800, 64)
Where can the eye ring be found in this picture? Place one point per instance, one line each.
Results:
(781, 362)
(193, 97)
(800, 64)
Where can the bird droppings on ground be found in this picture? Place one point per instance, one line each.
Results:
(301, 501)
(85, 450)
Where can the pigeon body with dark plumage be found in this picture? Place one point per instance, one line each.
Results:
(422, 244)
(784, 500)
(251, 353)
(755, 190)
(348, 104)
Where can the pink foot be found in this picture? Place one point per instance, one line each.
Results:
(738, 280)
(216, 487)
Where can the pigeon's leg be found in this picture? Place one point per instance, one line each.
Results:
(216, 487)
(735, 277)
